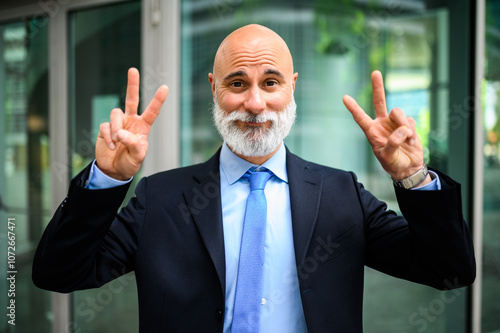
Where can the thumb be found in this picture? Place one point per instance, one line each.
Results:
(133, 145)
(396, 139)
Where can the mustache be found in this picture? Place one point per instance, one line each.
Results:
(248, 117)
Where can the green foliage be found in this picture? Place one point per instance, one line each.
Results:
(337, 22)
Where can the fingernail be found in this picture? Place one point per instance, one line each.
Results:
(114, 137)
(402, 133)
(112, 146)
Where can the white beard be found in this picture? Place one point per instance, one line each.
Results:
(254, 142)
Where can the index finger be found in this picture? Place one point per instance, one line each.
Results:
(132, 97)
(360, 117)
(379, 94)
(153, 110)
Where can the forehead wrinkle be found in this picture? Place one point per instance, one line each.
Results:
(277, 67)
(270, 55)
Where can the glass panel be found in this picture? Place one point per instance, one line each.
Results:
(336, 45)
(412, 51)
(24, 172)
(491, 209)
(104, 43)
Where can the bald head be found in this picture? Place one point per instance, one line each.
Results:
(252, 40)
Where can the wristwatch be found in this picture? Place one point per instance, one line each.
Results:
(413, 180)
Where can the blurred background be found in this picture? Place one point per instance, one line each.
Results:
(63, 67)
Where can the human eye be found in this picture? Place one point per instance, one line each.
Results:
(236, 84)
(270, 83)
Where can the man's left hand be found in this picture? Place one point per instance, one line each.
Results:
(393, 136)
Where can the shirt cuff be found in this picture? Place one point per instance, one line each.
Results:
(98, 180)
(434, 185)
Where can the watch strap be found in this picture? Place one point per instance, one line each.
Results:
(413, 180)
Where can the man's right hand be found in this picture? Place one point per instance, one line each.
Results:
(122, 143)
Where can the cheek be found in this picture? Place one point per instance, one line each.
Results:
(278, 101)
(229, 102)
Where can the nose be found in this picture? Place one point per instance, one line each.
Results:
(254, 101)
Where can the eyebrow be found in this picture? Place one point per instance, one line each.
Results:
(275, 72)
(243, 73)
(234, 74)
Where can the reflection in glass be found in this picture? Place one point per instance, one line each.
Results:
(24, 166)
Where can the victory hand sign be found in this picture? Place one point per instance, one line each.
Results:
(122, 143)
(393, 136)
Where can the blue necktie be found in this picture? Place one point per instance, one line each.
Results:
(248, 298)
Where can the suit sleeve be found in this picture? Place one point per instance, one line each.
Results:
(86, 244)
(431, 245)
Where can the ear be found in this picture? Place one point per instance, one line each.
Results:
(211, 79)
(294, 79)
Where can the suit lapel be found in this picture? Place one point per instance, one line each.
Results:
(305, 193)
(204, 202)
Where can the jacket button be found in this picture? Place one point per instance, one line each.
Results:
(219, 315)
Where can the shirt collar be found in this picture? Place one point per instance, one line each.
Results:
(233, 166)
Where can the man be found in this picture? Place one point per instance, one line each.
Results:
(186, 233)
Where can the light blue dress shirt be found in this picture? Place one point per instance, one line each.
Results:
(99, 180)
(281, 309)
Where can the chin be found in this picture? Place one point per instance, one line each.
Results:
(252, 147)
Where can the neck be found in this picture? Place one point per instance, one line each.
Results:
(257, 160)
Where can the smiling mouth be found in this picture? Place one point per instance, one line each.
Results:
(253, 124)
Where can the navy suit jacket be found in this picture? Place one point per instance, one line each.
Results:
(171, 235)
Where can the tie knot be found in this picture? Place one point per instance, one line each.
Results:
(258, 179)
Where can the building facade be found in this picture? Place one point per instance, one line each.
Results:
(63, 68)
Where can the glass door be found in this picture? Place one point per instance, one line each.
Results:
(24, 172)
